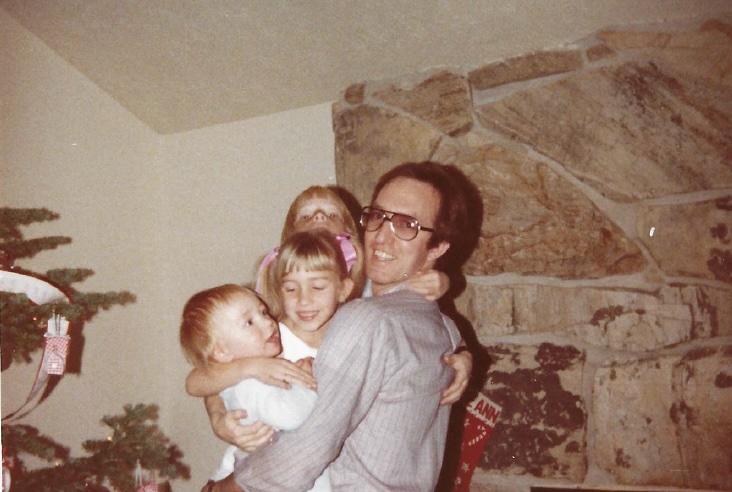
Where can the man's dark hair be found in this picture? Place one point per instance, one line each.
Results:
(453, 224)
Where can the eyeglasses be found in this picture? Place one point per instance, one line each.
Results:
(405, 227)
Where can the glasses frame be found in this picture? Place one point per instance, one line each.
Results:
(389, 216)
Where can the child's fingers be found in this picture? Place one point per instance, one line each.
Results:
(307, 381)
(449, 396)
(286, 374)
(455, 391)
(302, 376)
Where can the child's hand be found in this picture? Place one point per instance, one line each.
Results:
(281, 372)
(306, 364)
(463, 365)
(431, 284)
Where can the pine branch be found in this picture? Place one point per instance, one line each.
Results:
(29, 248)
(135, 436)
(22, 323)
(11, 218)
(111, 461)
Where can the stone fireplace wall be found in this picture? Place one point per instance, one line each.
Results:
(601, 285)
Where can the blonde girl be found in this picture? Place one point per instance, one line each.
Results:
(303, 288)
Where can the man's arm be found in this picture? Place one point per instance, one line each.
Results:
(349, 369)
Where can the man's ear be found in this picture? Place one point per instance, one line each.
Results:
(434, 253)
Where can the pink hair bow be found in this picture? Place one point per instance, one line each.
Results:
(349, 252)
(344, 241)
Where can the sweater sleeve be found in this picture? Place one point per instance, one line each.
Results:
(349, 369)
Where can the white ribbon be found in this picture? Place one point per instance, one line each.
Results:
(39, 292)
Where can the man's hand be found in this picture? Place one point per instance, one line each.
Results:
(463, 364)
(226, 485)
(248, 438)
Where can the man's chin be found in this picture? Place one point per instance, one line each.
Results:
(382, 285)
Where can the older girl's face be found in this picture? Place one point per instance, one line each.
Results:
(310, 299)
(319, 213)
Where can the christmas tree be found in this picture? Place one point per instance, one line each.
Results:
(134, 436)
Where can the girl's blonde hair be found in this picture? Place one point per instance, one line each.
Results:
(196, 331)
(357, 272)
(310, 251)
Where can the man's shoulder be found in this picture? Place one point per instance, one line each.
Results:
(397, 300)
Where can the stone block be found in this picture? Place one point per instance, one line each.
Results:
(443, 100)
(537, 223)
(369, 141)
(528, 67)
(629, 132)
(355, 94)
(666, 421)
(626, 40)
(542, 427)
(615, 318)
(702, 383)
(599, 52)
(702, 248)
(635, 437)
(489, 309)
(712, 311)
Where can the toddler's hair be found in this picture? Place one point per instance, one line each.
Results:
(319, 192)
(310, 251)
(196, 332)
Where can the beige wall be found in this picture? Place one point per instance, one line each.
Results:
(161, 217)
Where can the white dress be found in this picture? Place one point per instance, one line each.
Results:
(280, 408)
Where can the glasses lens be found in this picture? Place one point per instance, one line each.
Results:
(405, 227)
(372, 219)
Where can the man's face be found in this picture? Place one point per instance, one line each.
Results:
(390, 260)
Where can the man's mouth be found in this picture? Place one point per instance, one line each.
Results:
(274, 338)
(382, 255)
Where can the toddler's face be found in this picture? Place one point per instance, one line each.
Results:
(244, 328)
(319, 213)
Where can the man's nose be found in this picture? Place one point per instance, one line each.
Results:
(383, 231)
(319, 216)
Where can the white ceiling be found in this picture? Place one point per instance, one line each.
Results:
(184, 64)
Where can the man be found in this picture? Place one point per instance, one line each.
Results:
(378, 422)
